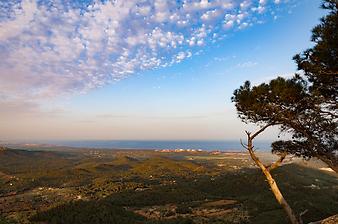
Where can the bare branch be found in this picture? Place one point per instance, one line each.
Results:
(277, 163)
(301, 215)
(261, 130)
(244, 146)
(253, 148)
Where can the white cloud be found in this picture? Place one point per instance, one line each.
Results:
(247, 64)
(180, 56)
(22, 19)
(144, 11)
(48, 51)
(200, 42)
(228, 24)
(211, 15)
(197, 5)
(245, 4)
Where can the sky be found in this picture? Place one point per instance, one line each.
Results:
(141, 69)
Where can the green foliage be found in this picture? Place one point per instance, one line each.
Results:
(171, 221)
(82, 212)
(159, 195)
(6, 221)
(270, 103)
(112, 198)
(304, 105)
(183, 209)
(247, 187)
(319, 63)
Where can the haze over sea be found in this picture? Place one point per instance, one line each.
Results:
(227, 145)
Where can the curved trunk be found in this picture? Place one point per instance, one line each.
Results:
(273, 185)
(279, 197)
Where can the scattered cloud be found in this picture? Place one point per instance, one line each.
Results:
(247, 64)
(27, 108)
(49, 49)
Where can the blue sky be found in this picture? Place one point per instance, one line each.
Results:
(141, 69)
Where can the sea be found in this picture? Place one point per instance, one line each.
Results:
(227, 145)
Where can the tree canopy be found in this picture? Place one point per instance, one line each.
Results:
(306, 104)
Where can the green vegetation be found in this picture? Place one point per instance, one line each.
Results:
(80, 212)
(6, 221)
(85, 188)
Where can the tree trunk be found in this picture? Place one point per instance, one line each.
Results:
(279, 197)
(273, 185)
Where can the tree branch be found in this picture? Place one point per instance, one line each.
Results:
(261, 130)
(328, 113)
(277, 163)
(244, 146)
